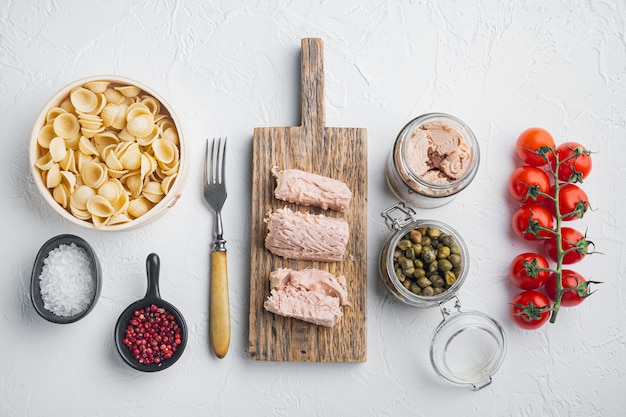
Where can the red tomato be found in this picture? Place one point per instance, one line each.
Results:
(533, 144)
(569, 279)
(573, 202)
(573, 243)
(527, 182)
(575, 162)
(530, 221)
(529, 271)
(530, 309)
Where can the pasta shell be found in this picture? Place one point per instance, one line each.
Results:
(46, 134)
(68, 179)
(98, 221)
(58, 150)
(66, 105)
(69, 162)
(53, 177)
(113, 96)
(72, 143)
(122, 203)
(138, 207)
(111, 190)
(125, 136)
(61, 195)
(112, 162)
(131, 160)
(128, 90)
(164, 151)
(134, 184)
(152, 104)
(81, 160)
(78, 199)
(148, 165)
(171, 135)
(94, 174)
(118, 218)
(120, 118)
(54, 112)
(147, 141)
(90, 121)
(97, 87)
(84, 100)
(137, 109)
(167, 182)
(87, 147)
(66, 125)
(115, 173)
(153, 192)
(90, 133)
(106, 138)
(81, 214)
(99, 206)
(140, 126)
(45, 162)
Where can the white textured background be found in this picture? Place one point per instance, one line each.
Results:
(230, 66)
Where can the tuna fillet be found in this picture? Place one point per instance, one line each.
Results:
(311, 295)
(309, 189)
(306, 236)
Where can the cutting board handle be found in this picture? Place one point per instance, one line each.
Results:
(312, 68)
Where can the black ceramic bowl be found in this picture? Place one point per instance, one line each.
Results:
(35, 287)
(153, 296)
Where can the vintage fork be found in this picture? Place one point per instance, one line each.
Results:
(215, 195)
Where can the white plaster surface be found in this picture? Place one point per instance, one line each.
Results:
(230, 66)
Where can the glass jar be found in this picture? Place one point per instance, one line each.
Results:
(434, 157)
(467, 347)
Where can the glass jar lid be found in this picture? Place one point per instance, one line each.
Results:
(467, 348)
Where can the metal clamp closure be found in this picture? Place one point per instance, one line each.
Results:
(398, 216)
(446, 306)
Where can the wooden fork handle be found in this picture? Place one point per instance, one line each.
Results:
(219, 305)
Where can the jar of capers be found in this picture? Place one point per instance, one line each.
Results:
(425, 261)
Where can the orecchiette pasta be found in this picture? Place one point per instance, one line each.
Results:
(108, 153)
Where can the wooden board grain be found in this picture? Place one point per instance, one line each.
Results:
(339, 153)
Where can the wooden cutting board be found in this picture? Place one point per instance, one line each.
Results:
(339, 153)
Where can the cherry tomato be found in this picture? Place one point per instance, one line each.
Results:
(573, 202)
(576, 162)
(530, 221)
(533, 144)
(529, 271)
(573, 243)
(530, 309)
(569, 279)
(526, 182)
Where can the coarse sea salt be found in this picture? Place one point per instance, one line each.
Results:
(67, 282)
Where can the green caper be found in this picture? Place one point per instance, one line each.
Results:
(424, 282)
(433, 267)
(407, 283)
(425, 241)
(445, 265)
(410, 253)
(455, 260)
(443, 252)
(447, 240)
(400, 275)
(428, 254)
(455, 249)
(408, 271)
(457, 270)
(417, 248)
(433, 232)
(405, 262)
(435, 243)
(415, 236)
(437, 281)
(450, 278)
(404, 243)
(438, 290)
(418, 263)
(428, 291)
(414, 288)
(419, 272)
